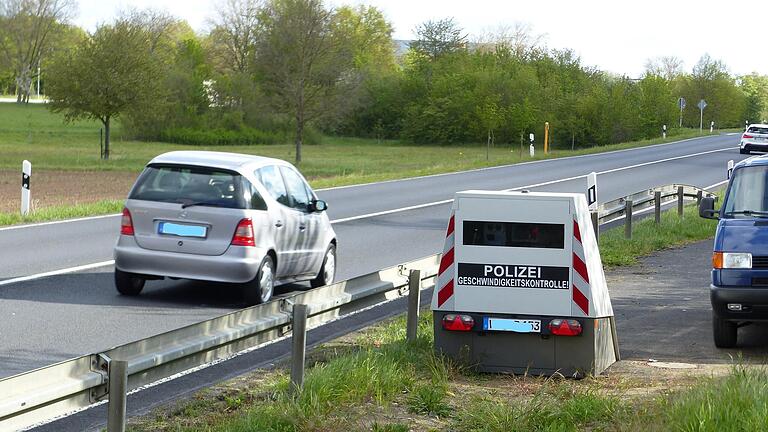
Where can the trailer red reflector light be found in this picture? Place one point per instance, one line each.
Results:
(244, 234)
(126, 223)
(456, 322)
(565, 327)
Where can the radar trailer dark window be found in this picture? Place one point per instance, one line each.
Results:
(514, 234)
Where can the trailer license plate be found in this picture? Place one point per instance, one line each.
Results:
(181, 230)
(512, 325)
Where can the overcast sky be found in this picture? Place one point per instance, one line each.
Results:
(617, 36)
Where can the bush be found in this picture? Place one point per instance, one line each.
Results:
(214, 137)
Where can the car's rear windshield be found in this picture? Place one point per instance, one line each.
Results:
(748, 192)
(190, 185)
(758, 130)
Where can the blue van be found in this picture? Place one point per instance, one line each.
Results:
(739, 290)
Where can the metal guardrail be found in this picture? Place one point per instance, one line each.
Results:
(644, 200)
(38, 396)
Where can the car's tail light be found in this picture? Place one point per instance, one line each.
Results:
(244, 234)
(745, 136)
(564, 327)
(456, 322)
(126, 223)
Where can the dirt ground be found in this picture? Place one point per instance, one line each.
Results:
(53, 188)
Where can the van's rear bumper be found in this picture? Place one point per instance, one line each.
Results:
(753, 300)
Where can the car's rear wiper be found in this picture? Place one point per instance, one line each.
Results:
(201, 203)
(747, 213)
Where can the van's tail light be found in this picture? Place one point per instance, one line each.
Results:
(731, 260)
(564, 327)
(126, 223)
(456, 322)
(746, 136)
(244, 234)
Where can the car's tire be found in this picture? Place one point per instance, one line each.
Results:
(743, 151)
(128, 284)
(327, 270)
(724, 332)
(260, 289)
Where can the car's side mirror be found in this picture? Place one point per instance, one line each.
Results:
(707, 208)
(318, 206)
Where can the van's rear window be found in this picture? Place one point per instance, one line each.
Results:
(514, 234)
(190, 185)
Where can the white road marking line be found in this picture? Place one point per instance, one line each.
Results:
(370, 215)
(531, 186)
(57, 272)
(517, 164)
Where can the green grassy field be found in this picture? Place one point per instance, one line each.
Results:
(32, 133)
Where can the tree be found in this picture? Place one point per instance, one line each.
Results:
(303, 66)
(235, 33)
(111, 72)
(437, 38)
(667, 67)
(28, 31)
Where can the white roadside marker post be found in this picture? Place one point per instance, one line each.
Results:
(730, 169)
(531, 148)
(26, 175)
(592, 202)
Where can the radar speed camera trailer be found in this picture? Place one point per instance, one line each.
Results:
(521, 286)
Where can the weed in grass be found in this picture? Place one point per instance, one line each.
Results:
(389, 427)
(429, 399)
(736, 402)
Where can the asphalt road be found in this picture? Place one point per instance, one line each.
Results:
(58, 317)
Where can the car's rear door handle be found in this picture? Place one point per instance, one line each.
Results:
(279, 224)
(302, 227)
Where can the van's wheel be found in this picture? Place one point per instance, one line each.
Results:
(328, 270)
(261, 288)
(128, 283)
(725, 332)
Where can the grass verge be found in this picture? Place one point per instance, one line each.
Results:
(648, 237)
(63, 212)
(376, 381)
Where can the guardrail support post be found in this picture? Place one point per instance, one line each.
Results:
(299, 352)
(628, 219)
(414, 301)
(118, 387)
(595, 224)
(657, 206)
(680, 199)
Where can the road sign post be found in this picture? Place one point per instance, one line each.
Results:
(702, 104)
(681, 104)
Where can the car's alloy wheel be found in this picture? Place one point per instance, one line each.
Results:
(128, 283)
(260, 290)
(328, 270)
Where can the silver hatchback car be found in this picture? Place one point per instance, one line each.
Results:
(224, 217)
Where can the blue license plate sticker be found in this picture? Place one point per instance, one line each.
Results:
(182, 230)
(511, 325)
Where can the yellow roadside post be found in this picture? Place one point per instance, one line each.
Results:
(546, 137)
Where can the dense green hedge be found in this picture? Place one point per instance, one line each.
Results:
(213, 137)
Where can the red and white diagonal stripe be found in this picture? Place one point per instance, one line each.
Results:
(445, 298)
(580, 286)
